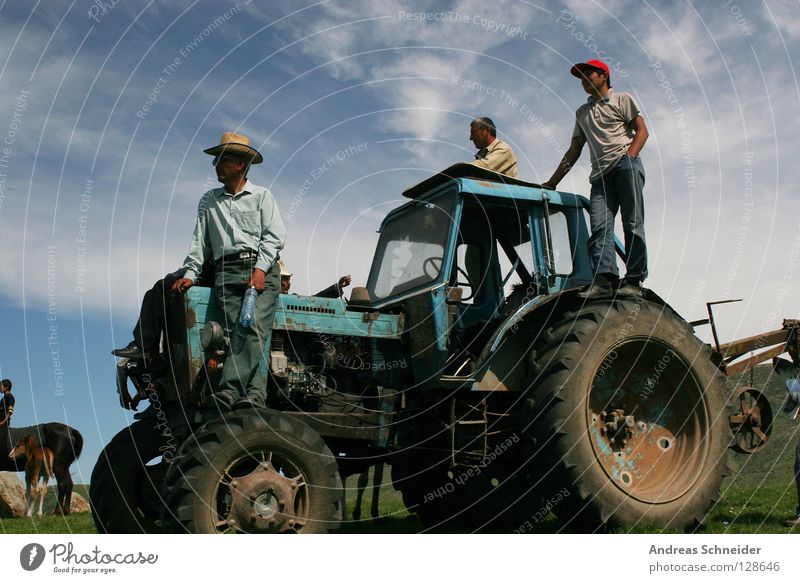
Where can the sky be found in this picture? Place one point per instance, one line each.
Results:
(106, 107)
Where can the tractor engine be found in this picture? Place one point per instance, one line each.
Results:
(315, 372)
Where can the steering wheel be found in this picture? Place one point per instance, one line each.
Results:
(459, 271)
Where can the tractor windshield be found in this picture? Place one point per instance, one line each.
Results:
(411, 249)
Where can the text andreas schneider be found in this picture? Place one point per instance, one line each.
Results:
(64, 555)
(705, 550)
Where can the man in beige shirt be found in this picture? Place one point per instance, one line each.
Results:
(492, 153)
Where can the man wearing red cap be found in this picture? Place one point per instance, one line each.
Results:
(611, 125)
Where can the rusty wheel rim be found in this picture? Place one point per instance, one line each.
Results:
(261, 493)
(752, 422)
(647, 420)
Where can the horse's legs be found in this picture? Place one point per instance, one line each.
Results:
(64, 487)
(377, 480)
(42, 492)
(344, 498)
(30, 492)
(363, 480)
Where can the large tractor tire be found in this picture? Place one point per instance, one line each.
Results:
(629, 417)
(255, 472)
(125, 488)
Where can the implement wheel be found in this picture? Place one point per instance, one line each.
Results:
(630, 417)
(126, 483)
(255, 472)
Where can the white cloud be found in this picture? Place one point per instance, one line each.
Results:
(783, 16)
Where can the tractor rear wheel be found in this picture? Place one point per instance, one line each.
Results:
(629, 417)
(125, 487)
(255, 472)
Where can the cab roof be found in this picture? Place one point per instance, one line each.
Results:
(473, 179)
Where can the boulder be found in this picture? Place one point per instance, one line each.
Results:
(12, 495)
(78, 504)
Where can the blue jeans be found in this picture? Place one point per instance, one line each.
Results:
(619, 189)
(242, 374)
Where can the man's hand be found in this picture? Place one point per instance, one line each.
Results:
(549, 185)
(344, 281)
(639, 138)
(182, 284)
(258, 280)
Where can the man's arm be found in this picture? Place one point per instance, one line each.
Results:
(8, 406)
(639, 138)
(199, 251)
(335, 290)
(273, 235)
(566, 164)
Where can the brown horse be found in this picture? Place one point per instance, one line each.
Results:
(39, 466)
(66, 444)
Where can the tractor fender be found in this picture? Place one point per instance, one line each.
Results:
(531, 308)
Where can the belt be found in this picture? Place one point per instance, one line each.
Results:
(240, 256)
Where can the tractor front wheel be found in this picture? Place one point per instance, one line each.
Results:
(255, 472)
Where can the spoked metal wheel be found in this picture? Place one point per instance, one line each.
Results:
(751, 422)
(255, 472)
(263, 492)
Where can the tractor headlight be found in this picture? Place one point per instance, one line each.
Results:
(212, 337)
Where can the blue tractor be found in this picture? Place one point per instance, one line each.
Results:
(471, 363)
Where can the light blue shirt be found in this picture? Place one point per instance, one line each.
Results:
(227, 224)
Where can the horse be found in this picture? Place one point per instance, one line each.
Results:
(363, 480)
(39, 466)
(66, 443)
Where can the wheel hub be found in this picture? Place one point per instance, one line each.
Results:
(617, 427)
(263, 501)
(646, 421)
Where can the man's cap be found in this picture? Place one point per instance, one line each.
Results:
(238, 145)
(284, 272)
(578, 69)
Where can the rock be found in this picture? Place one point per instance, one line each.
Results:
(78, 504)
(12, 496)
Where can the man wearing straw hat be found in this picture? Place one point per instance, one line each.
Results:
(240, 226)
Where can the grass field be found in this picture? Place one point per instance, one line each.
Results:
(756, 496)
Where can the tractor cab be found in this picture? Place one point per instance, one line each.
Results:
(471, 250)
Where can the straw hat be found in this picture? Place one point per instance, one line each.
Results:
(233, 143)
(284, 272)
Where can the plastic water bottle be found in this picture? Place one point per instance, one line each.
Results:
(248, 307)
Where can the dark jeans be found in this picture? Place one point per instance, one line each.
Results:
(245, 370)
(147, 332)
(619, 189)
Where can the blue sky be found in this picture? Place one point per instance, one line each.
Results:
(105, 110)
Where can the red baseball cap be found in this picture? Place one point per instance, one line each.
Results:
(577, 69)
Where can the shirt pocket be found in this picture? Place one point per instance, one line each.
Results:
(248, 222)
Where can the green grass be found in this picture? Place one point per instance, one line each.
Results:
(755, 497)
(80, 523)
